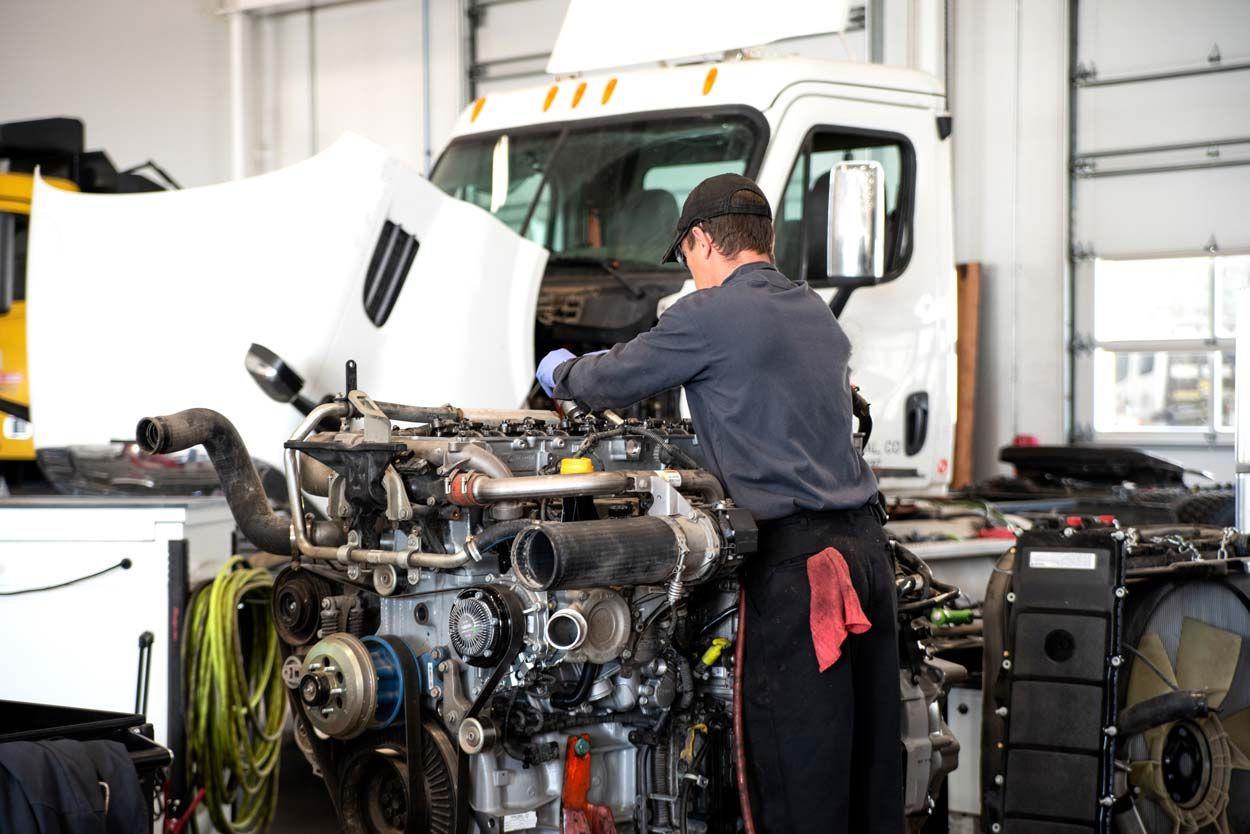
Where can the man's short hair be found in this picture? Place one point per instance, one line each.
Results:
(734, 233)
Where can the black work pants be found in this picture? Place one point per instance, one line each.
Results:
(823, 748)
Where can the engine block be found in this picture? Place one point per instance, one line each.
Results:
(510, 621)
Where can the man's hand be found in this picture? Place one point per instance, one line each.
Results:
(547, 368)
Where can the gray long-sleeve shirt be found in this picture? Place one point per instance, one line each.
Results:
(764, 365)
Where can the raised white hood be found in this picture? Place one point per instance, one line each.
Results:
(146, 304)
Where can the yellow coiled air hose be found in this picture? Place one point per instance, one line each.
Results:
(236, 700)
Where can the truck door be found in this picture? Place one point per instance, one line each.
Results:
(901, 329)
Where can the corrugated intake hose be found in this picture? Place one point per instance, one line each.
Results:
(239, 481)
(235, 698)
(592, 554)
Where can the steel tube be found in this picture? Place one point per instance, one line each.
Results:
(1164, 74)
(491, 490)
(1162, 169)
(1144, 149)
(426, 414)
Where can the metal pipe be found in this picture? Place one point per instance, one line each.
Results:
(314, 476)
(427, 160)
(488, 490)
(427, 414)
(295, 497)
(1162, 75)
(238, 104)
(1180, 146)
(1162, 169)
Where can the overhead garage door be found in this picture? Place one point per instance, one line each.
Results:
(1159, 229)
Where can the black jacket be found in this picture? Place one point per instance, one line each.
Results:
(70, 787)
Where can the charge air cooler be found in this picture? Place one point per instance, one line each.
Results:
(1054, 690)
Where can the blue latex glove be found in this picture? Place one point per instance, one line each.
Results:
(547, 368)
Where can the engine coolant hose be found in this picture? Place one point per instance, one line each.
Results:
(235, 698)
(740, 749)
(235, 470)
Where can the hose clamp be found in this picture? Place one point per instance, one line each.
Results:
(460, 488)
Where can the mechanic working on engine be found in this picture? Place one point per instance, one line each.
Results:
(765, 368)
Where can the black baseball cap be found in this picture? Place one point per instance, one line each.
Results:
(713, 197)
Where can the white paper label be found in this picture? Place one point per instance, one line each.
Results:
(15, 428)
(670, 475)
(520, 822)
(1063, 559)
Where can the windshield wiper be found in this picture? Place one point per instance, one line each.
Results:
(609, 265)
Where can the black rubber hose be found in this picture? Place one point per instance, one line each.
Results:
(502, 532)
(581, 692)
(1160, 710)
(564, 555)
(235, 470)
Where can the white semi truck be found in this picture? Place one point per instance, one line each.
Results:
(596, 170)
(567, 194)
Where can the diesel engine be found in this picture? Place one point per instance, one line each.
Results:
(499, 621)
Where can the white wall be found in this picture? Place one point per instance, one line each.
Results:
(1008, 95)
(147, 78)
(363, 73)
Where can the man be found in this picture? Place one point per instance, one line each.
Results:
(764, 365)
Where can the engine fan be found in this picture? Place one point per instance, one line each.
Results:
(1194, 775)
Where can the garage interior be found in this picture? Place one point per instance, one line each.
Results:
(292, 538)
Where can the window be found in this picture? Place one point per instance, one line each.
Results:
(600, 189)
(802, 216)
(1163, 343)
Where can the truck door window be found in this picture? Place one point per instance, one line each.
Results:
(802, 214)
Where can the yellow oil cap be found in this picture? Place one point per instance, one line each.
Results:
(576, 466)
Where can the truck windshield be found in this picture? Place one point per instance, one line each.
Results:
(603, 191)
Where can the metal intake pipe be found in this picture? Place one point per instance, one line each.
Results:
(472, 489)
(239, 481)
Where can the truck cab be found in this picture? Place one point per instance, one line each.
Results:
(595, 169)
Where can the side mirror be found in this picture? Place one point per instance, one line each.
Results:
(274, 376)
(856, 226)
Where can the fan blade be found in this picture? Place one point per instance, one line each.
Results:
(1143, 682)
(1207, 659)
(1237, 726)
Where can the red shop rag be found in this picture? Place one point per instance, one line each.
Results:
(836, 611)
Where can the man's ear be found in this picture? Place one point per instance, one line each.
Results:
(702, 240)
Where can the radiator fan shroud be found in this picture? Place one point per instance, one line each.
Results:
(1193, 776)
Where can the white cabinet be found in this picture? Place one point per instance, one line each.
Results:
(79, 645)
